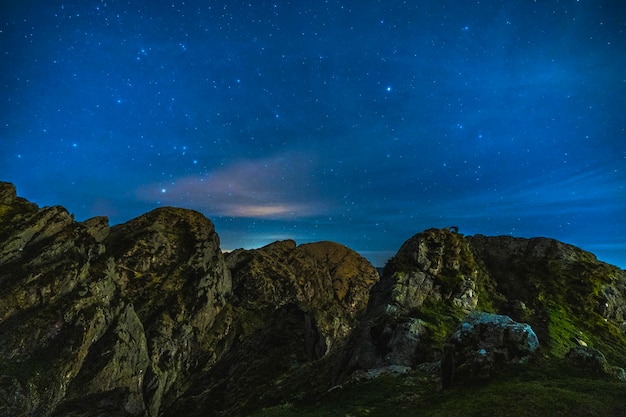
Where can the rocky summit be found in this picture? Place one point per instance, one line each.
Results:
(149, 318)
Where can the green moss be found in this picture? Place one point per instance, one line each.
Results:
(562, 330)
(576, 284)
(440, 318)
(565, 329)
(607, 338)
(4, 211)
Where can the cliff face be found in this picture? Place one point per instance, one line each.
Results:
(90, 313)
(439, 276)
(149, 317)
(291, 306)
(123, 320)
(564, 292)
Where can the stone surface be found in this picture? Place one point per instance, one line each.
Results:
(483, 344)
(542, 273)
(125, 320)
(436, 264)
(325, 278)
(91, 313)
(291, 305)
(425, 289)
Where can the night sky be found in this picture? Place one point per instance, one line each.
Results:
(361, 122)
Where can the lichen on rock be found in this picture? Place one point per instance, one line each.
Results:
(483, 344)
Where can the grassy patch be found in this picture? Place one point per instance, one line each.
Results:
(544, 388)
(562, 330)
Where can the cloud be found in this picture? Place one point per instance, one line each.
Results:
(279, 187)
(560, 192)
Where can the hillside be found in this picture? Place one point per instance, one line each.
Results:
(150, 318)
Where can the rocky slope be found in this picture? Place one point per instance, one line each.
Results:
(149, 318)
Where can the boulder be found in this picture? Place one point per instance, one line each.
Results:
(291, 306)
(593, 361)
(483, 344)
(90, 314)
(542, 275)
(169, 265)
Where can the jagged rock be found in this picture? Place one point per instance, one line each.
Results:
(326, 278)
(98, 228)
(436, 264)
(53, 306)
(96, 314)
(170, 267)
(483, 343)
(291, 305)
(149, 318)
(8, 193)
(426, 288)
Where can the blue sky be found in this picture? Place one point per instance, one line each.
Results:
(358, 122)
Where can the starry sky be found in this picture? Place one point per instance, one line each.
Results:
(362, 122)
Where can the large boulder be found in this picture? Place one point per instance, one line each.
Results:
(483, 343)
(169, 265)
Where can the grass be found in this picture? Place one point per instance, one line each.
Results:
(548, 387)
(562, 330)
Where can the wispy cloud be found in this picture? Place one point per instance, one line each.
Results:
(279, 187)
(557, 193)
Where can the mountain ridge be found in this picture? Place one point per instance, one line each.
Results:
(150, 318)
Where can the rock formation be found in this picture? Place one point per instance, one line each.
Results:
(440, 276)
(123, 320)
(426, 288)
(484, 343)
(150, 318)
(89, 314)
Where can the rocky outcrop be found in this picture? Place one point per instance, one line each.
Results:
(439, 276)
(426, 288)
(89, 314)
(149, 317)
(483, 344)
(435, 265)
(326, 279)
(128, 320)
(291, 305)
(562, 291)
(169, 265)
